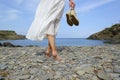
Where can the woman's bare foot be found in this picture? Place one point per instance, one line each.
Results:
(56, 56)
(47, 54)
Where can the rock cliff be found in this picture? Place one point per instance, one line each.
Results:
(111, 34)
(10, 35)
(108, 33)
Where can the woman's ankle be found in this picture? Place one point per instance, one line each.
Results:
(54, 53)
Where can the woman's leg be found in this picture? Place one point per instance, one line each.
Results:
(51, 40)
(48, 50)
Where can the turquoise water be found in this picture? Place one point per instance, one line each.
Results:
(59, 42)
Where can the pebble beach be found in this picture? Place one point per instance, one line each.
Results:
(78, 63)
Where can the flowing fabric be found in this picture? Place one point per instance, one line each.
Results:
(47, 18)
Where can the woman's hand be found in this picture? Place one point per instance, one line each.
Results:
(72, 4)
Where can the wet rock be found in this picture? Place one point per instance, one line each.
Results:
(31, 46)
(40, 53)
(8, 44)
(18, 46)
(0, 44)
(2, 78)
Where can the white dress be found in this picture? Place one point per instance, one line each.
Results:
(47, 18)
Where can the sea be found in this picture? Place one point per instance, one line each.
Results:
(59, 42)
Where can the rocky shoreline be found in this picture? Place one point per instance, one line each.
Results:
(78, 63)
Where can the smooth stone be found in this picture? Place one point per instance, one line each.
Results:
(116, 69)
(85, 66)
(34, 63)
(23, 64)
(39, 61)
(24, 77)
(34, 71)
(25, 71)
(77, 79)
(62, 66)
(10, 66)
(101, 74)
(88, 69)
(3, 66)
(63, 78)
(32, 77)
(57, 75)
(18, 72)
(49, 76)
(74, 76)
(55, 62)
(115, 75)
(116, 78)
(46, 68)
(41, 77)
(94, 78)
(80, 72)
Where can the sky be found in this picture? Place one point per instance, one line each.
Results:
(93, 15)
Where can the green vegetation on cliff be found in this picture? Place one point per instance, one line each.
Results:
(10, 35)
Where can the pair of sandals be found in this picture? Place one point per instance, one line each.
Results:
(72, 18)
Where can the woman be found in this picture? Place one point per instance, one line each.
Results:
(46, 23)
